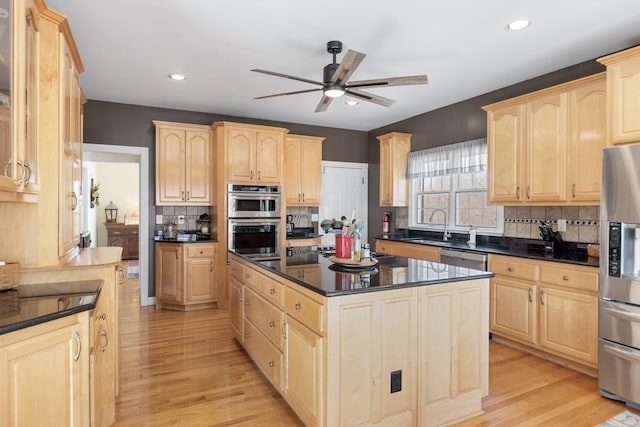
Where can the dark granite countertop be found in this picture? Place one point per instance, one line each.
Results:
(163, 240)
(335, 280)
(571, 253)
(31, 305)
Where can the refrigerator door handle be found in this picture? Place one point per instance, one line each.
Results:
(625, 315)
(623, 354)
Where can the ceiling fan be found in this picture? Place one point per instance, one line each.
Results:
(336, 80)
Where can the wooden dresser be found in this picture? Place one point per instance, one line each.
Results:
(124, 236)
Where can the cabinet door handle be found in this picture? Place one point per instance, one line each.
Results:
(251, 174)
(247, 275)
(528, 192)
(74, 199)
(247, 336)
(182, 194)
(259, 176)
(104, 335)
(541, 297)
(27, 170)
(565, 278)
(188, 195)
(247, 302)
(76, 336)
(211, 267)
(121, 274)
(103, 316)
(272, 324)
(530, 294)
(573, 191)
(272, 364)
(303, 197)
(299, 199)
(272, 291)
(298, 306)
(284, 329)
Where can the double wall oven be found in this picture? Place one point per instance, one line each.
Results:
(254, 217)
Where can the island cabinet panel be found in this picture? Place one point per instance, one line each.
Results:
(236, 308)
(453, 352)
(45, 374)
(267, 356)
(372, 337)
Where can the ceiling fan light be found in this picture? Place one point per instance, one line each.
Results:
(334, 91)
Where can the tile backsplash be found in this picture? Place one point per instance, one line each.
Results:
(171, 213)
(583, 222)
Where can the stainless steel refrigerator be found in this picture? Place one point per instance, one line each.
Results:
(619, 320)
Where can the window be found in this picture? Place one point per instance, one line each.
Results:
(448, 186)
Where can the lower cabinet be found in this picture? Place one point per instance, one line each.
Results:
(45, 374)
(409, 250)
(549, 307)
(185, 276)
(408, 356)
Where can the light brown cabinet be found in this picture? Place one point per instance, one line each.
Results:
(548, 306)
(185, 276)
(183, 164)
(46, 365)
(623, 104)
(408, 250)
(545, 147)
(332, 357)
(303, 170)
(254, 153)
(394, 186)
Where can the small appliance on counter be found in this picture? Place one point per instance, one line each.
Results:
(170, 230)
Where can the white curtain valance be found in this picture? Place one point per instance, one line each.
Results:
(463, 157)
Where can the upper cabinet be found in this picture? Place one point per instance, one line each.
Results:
(623, 87)
(394, 152)
(545, 147)
(19, 48)
(254, 153)
(183, 164)
(303, 170)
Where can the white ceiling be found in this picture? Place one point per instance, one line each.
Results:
(129, 47)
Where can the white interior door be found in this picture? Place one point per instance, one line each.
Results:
(344, 191)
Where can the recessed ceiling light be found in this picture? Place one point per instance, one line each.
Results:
(351, 103)
(176, 77)
(519, 24)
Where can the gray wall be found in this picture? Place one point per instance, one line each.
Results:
(123, 124)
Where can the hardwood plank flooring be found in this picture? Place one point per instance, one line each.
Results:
(185, 369)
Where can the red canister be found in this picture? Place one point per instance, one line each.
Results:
(343, 246)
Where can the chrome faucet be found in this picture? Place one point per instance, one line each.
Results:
(446, 235)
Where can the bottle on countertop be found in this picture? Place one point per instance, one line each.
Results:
(366, 253)
(472, 236)
(356, 249)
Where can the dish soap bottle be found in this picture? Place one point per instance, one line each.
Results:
(472, 236)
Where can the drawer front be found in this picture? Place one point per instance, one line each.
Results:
(584, 279)
(268, 358)
(265, 286)
(513, 267)
(200, 251)
(236, 270)
(304, 309)
(265, 316)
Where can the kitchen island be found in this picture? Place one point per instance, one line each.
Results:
(402, 343)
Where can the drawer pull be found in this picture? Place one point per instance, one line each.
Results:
(247, 302)
(541, 297)
(247, 276)
(104, 335)
(247, 336)
(272, 364)
(103, 316)
(272, 324)
(298, 306)
(565, 278)
(76, 336)
(530, 294)
(272, 291)
(510, 269)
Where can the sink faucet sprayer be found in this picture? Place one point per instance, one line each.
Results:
(446, 235)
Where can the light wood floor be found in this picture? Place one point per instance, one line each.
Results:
(185, 369)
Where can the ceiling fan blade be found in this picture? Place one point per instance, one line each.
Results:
(287, 76)
(346, 68)
(369, 97)
(288, 93)
(392, 81)
(323, 104)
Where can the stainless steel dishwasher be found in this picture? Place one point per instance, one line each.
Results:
(468, 259)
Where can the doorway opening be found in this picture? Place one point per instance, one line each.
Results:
(126, 154)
